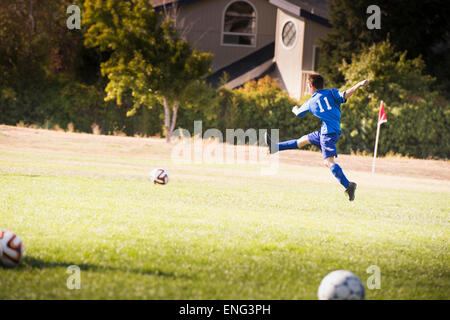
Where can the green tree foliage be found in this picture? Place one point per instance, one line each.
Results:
(418, 117)
(420, 27)
(42, 66)
(23, 57)
(148, 58)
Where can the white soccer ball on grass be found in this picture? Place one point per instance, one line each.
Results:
(159, 176)
(11, 249)
(341, 285)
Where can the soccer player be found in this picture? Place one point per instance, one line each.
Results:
(325, 104)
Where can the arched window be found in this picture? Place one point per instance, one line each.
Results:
(239, 24)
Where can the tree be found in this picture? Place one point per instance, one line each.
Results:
(147, 56)
(419, 27)
(37, 55)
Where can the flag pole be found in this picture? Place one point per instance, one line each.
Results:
(376, 147)
(381, 119)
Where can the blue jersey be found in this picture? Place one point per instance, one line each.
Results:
(326, 105)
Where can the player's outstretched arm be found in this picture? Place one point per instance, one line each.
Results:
(351, 91)
(301, 111)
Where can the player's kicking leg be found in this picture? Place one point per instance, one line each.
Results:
(336, 170)
(327, 143)
(286, 145)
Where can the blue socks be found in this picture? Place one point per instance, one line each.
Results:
(339, 174)
(335, 168)
(291, 144)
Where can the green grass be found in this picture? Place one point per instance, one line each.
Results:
(214, 232)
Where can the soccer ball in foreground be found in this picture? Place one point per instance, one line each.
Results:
(11, 249)
(341, 285)
(160, 176)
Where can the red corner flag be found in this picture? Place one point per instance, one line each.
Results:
(382, 115)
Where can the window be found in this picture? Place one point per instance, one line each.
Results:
(239, 24)
(315, 63)
(289, 34)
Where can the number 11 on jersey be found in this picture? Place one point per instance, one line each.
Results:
(327, 103)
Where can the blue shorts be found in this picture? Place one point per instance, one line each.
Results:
(326, 142)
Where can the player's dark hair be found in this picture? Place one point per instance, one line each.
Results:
(316, 81)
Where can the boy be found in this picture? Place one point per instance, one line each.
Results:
(325, 105)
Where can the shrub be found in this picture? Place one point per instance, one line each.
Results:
(418, 117)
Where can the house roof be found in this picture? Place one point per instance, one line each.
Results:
(315, 10)
(160, 3)
(317, 7)
(242, 66)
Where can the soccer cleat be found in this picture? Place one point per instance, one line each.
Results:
(268, 140)
(351, 191)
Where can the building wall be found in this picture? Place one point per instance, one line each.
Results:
(289, 61)
(201, 23)
(313, 31)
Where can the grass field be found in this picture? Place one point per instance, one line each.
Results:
(215, 231)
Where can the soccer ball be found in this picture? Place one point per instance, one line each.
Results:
(160, 176)
(341, 285)
(11, 249)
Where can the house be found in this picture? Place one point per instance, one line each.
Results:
(253, 38)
